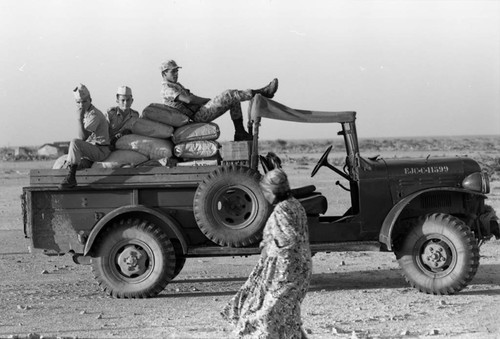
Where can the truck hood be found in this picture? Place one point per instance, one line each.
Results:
(406, 176)
(439, 167)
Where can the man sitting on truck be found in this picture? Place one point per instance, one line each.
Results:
(121, 117)
(93, 143)
(205, 110)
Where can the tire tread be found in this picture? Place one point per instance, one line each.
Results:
(470, 243)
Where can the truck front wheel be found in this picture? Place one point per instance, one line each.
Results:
(439, 255)
(133, 259)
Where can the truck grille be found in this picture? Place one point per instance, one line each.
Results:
(436, 200)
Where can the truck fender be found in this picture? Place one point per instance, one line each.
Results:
(385, 235)
(171, 223)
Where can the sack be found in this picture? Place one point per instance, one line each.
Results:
(151, 128)
(61, 162)
(119, 158)
(165, 114)
(197, 149)
(196, 131)
(153, 148)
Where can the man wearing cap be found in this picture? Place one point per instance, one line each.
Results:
(93, 144)
(202, 109)
(121, 117)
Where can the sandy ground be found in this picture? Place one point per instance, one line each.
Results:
(352, 294)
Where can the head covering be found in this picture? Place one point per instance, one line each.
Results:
(124, 90)
(81, 92)
(170, 64)
(276, 181)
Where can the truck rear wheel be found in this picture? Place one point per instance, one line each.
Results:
(180, 259)
(230, 208)
(134, 259)
(439, 255)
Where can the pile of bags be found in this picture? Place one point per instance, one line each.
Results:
(196, 141)
(160, 134)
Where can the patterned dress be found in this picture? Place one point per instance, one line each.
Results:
(268, 304)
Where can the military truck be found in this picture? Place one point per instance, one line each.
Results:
(137, 226)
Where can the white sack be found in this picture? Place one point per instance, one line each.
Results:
(153, 148)
(197, 149)
(61, 163)
(118, 158)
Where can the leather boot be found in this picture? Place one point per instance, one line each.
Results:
(269, 90)
(239, 131)
(70, 180)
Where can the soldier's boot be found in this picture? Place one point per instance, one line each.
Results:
(239, 131)
(269, 90)
(70, 180)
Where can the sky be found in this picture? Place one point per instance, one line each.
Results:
(408, 68)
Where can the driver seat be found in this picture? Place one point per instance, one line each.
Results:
(313, 202)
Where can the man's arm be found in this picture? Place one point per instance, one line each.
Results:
(191, 99)
(82, 132)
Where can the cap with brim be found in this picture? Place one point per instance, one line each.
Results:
(124, 90)
(170, 64)
(81, 92)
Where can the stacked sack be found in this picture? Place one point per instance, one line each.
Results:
(150, 138)
(161, 133)
(192, 140)
(197, 141)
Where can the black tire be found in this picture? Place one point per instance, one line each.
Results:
(230, 208)
(439, 255)
(133, 259)
(180, 259)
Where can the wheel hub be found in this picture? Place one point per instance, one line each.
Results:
(435, 255)
(132, 261)
(234, 208)
(235, 205)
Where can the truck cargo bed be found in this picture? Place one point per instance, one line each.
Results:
(164, 176)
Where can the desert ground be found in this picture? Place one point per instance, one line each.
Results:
(352, 294)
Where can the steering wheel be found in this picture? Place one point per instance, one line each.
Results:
(322, 161)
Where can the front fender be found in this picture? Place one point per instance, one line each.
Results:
(385, 235)
(171, 223)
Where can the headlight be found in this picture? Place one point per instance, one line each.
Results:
(478, 181)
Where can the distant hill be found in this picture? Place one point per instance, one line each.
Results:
(445, 144)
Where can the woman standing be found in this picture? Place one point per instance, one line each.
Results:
(268, 304)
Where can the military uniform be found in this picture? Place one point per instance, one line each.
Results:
(96, 146)
(227, 100)
(213, 108)
(120, 120)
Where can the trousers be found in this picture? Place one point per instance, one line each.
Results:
(228, 100)
(79, 149)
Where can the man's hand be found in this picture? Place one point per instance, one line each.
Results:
(117, 136)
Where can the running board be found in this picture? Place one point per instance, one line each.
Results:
(350, 246)
(208, 251)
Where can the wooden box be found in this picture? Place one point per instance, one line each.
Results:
(236, 150)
